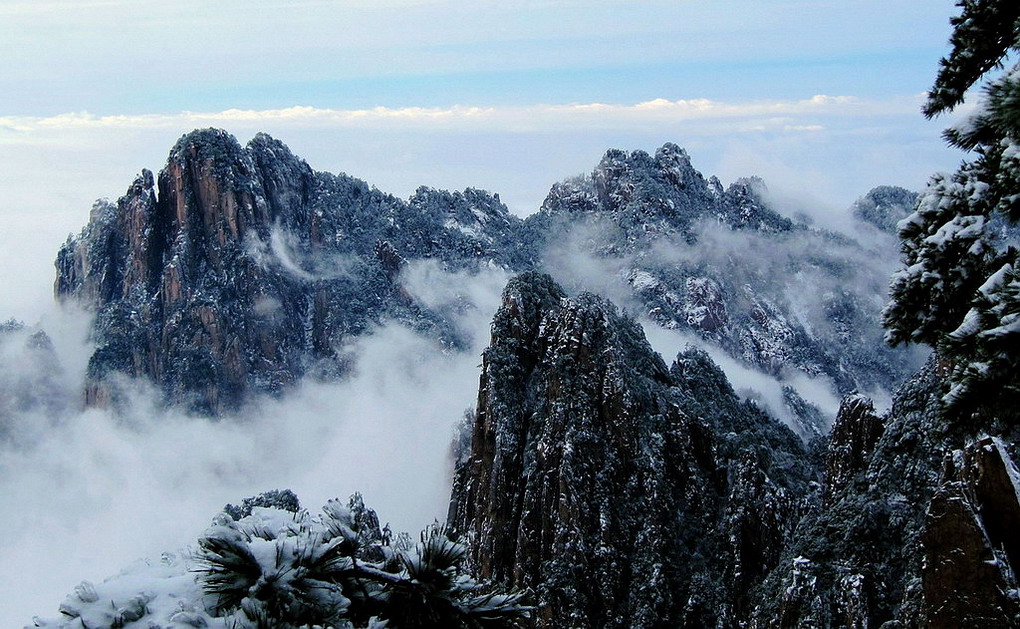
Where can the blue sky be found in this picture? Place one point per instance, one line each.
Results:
(112, 57)
(820, 98)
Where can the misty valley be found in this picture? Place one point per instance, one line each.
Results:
(685, 413)
(269, 396)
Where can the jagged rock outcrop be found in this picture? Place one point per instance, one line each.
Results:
(609, 463)
(725, 265)
(611, 485)
(623, 492)
(237, 270)
(593, 473)
(905, 532)
(970, 543)
(649, 197)
(854, 560)
(242, 269)
(854, 434)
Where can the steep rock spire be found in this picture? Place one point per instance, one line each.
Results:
(625, 494)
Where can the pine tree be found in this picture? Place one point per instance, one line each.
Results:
(279, 568)
(959, 290)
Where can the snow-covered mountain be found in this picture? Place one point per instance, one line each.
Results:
(243, 270)
(628, 494)
(625, 493)
(240, 270)
(618, 492)
(617, 486)
(726, 266)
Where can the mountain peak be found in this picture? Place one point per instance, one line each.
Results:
(207, 145)
(181, 280)
(884, 206)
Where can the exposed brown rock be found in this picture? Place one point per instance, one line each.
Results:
(970, 528)
(854, 434)
(580, 464)
(992, 481)
(233, 276)
(139, 215)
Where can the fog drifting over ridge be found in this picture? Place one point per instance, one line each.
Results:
(91, 492)
(843, 258)
(88, 492)
(829, 150)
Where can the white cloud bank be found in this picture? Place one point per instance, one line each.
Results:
(781, 115)
(87, 493)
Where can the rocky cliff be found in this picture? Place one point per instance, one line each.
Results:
(240, 269)
(725, 265)
(626, 494)
(910, 533)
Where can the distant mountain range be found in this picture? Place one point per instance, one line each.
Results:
(239, 270)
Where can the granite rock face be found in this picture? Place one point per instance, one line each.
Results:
(622, 491)
(852, 440)
(970, 543)
(596, 479)
(239, 269)
(625, 494)
(580, 461)
(910, 530)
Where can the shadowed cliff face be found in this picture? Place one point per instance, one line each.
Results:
(247, 270)
(589, 482)
(910, 530)
(854, 434)
(628, 495)
(969, 539)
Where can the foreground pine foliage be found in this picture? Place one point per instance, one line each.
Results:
(279, 567)
(959, 288)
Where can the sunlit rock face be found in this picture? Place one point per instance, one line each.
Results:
(242, 269)
(615, 488)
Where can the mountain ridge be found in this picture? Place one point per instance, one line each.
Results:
(238, 270)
